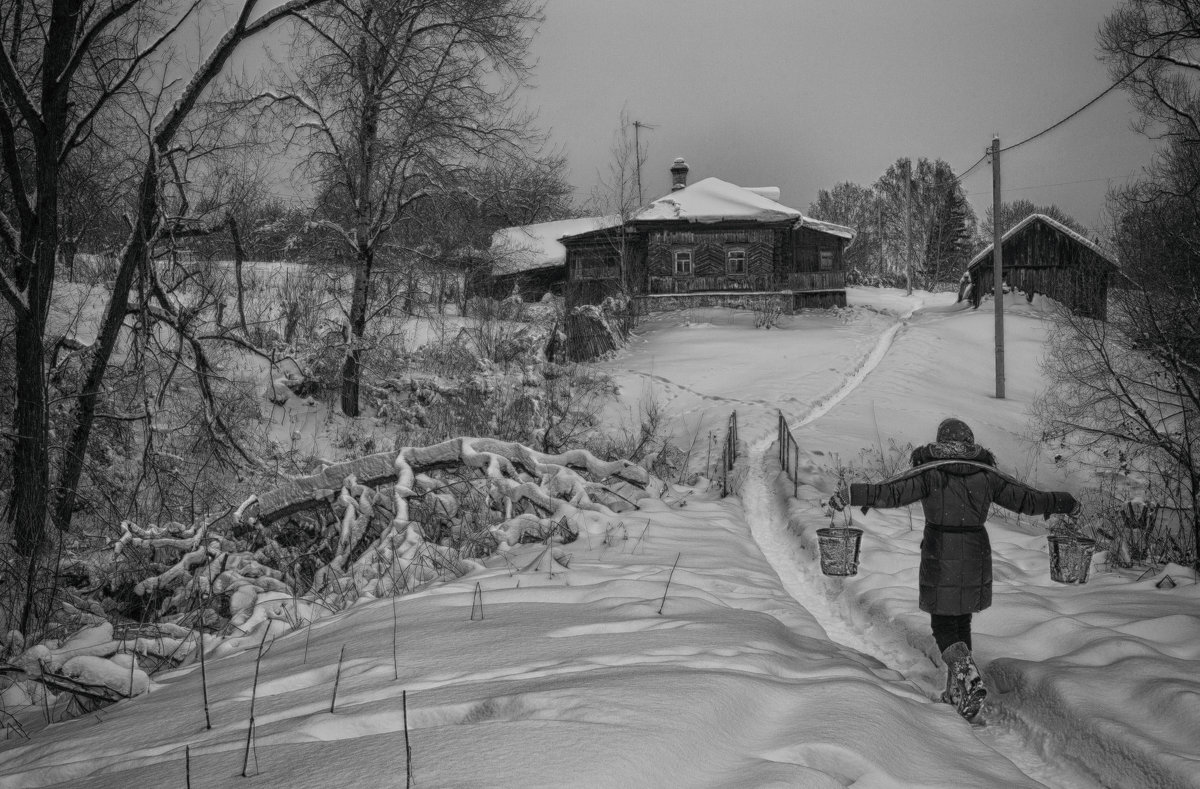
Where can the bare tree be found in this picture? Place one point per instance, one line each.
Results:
(392, 99)
(1014, 212)
(858, 207)
(65, 67)
(1123, 402)
(913, 222)
(1127, 392)
(447, 235)
(618, 191)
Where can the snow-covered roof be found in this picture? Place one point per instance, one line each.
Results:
(713, 200)
(530, 247)
(1059, 226)
(769, 192)
(827, 227)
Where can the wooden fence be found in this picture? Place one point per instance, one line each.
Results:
(729, 453)
(789, 453)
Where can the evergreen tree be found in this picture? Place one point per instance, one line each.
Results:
(951, 234)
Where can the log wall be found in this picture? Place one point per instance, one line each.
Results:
(1041, 259)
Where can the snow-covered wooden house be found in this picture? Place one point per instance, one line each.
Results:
(1042, 256)
(712, 243)
(531, 260)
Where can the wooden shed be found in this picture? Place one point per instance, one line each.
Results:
(711, 244)
(1043, 256)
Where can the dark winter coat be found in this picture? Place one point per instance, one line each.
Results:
(956, 556)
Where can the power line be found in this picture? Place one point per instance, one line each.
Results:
(988, 152)
(1097, 98)
(1060, 183)
(971, 169)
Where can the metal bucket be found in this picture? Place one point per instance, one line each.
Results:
(839, 550)
(1070, 558)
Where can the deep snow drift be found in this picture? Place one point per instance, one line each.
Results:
(698, 645)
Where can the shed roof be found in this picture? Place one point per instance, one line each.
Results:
(1059, 226)
(531, 247)
(713, 200)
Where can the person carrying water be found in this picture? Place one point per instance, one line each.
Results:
(956, 481)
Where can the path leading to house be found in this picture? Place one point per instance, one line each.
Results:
(838, 376)
(768, 519)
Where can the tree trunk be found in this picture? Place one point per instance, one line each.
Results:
(35, 273)
(239, 256)
(352, 365)
(31, 463)
(31, 449)
(133, 255)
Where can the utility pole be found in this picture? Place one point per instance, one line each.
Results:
(997, 268)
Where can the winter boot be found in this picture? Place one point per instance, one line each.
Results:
(964, 682)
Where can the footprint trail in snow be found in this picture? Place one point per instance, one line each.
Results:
(768, 520)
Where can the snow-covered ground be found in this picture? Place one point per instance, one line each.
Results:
(698, 645)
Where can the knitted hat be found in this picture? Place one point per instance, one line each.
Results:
(954, 430)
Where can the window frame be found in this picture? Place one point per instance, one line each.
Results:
(745, 257)
(691, 262)
(821, 258)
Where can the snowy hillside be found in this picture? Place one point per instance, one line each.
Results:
(698, 645)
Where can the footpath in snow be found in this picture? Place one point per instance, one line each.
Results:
(1099, 676)
(693, 642)
(596, 674)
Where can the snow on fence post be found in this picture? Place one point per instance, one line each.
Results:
(669, 578)
(337, 678)
(477, 602)
(728, 453)
(203, 676)
(395, 636)
(253, 697)
(408, 770)
(789, 454)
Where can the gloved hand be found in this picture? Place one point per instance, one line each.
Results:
(1064, 504)
(841, 497)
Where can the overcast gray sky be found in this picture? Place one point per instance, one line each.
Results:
(802, 94)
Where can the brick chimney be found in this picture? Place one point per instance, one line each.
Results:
(679, 171)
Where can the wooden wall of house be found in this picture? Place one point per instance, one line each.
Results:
(594, 267)
(764, 259)
(772, 262)
(1043, 260)
(708, 250)
(808, 243)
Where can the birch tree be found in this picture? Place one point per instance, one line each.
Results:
(390, 101)
(926, 222)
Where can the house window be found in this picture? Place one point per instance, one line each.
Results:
(683, 262)
(826, 260)
(735, 261)
(596, 266)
